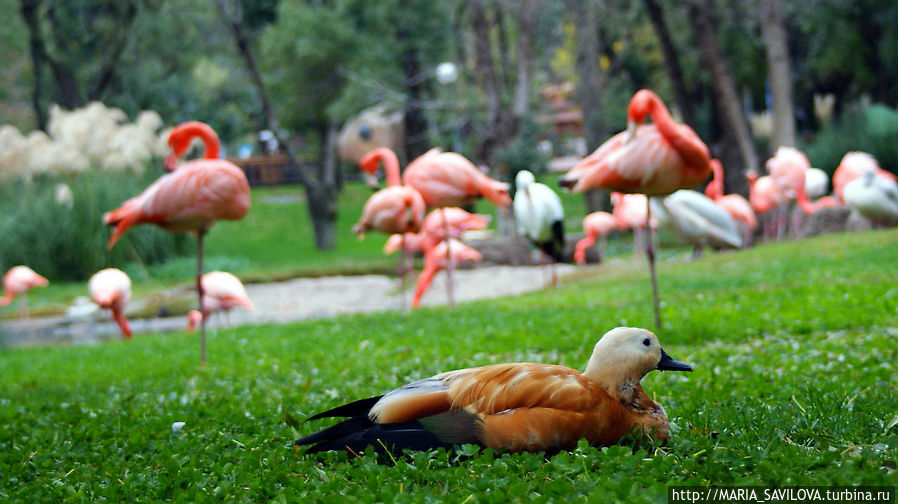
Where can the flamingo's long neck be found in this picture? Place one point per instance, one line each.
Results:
(690, 147)
(7, 298)
(391, 167)
(211, 141)
(119, 317)
(714, 189)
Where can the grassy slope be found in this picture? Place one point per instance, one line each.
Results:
(794, 347)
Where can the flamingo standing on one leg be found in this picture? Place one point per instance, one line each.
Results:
(190, 198)
(444, 179)
(540, 217)
(222, 291)
(19, 280)
(735, 204)
(597, 226)
(110, 289)
(853, 166)
(653, 159)
(438, 258)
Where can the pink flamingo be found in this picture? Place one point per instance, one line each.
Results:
(394, 209)
(853, 166)
(735, 204)
(765, 196)
(20, 280)
(432, 230)
(194, 317)
(788, 168)
(596, 225)
(630, 212)
(223, 291)
(439, 258)
(110, 289)
(444, 179)
(653, 159)
(190, 198)
(432, 233)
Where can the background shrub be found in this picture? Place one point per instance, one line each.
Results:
(69, 242)
(870, 129)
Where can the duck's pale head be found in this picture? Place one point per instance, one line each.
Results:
(625, 354)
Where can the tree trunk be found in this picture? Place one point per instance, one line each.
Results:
(69, 91)
(780, 72)
(724, 90)
(671, 61)
(115, 54)
(589, 91)
(417, 141)
(321, 192)
(521, 102)
(38, 59)
(486, 74)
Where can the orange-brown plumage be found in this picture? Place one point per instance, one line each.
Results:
(515, 406)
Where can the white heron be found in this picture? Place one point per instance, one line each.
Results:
(539, 216)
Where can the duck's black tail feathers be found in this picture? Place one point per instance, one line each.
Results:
(355, 434)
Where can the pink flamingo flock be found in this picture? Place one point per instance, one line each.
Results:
(649, 164)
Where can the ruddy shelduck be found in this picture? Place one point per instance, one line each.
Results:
(515, 407)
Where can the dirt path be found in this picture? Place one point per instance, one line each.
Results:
(298, 299)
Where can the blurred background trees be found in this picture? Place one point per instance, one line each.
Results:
(533, 79)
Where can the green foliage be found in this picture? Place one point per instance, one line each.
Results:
(793, 346)
(872, 130)
(70, 243)
(522, 153)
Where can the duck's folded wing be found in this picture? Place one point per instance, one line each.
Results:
(489, 390)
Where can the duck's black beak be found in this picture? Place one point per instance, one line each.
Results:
(668, 363)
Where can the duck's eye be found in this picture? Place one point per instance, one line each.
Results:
(646, 342)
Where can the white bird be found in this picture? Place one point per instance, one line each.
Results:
(874, 197)
(816, 183)
(697, 220)
(540, 216)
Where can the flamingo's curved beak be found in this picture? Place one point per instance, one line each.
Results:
(171, 162)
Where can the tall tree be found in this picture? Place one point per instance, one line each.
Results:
(81, 42)
(590, 88)
(245, 19)
(671, 60)
(726, 97)
(779, 66)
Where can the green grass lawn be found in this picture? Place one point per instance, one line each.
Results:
(794, 347)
